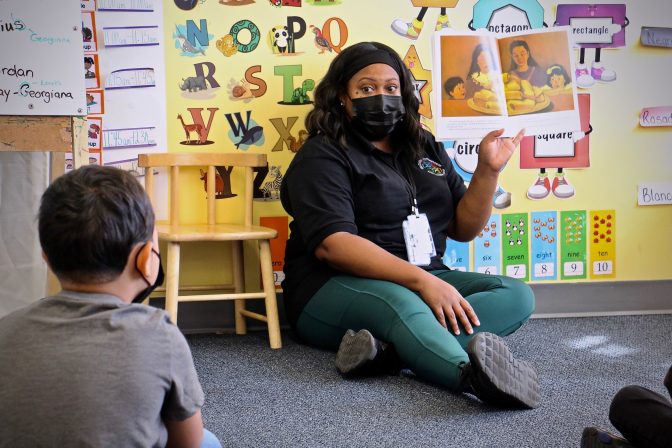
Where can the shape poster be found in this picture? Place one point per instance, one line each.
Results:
(544, 253)
(487, 247)
(602, 243)
(515, 246)
(573, 254)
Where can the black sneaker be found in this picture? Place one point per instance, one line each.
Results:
(596, 438)
(496, 377)
(360, 354)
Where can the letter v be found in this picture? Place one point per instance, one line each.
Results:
(198, 119)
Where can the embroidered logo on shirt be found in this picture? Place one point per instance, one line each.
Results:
(431, 167)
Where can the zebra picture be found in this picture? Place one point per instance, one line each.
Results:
(271, 189)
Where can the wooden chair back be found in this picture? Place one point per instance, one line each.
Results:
(174, 161)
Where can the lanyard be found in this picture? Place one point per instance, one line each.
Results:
(407, 177)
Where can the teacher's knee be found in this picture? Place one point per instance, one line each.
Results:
(520, 295)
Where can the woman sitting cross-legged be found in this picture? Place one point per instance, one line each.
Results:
(373, 198)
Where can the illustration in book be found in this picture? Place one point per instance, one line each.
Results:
(522, 80)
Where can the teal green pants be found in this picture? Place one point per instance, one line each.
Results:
(395, 314)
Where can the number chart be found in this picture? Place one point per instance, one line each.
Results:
(544, 242)
(573, 244)
(456, 256)
(487, 246)
(515, 244)
(541, 246)
(602, 237)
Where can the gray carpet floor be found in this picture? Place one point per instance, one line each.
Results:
(294, 397)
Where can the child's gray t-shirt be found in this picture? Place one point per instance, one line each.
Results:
(81, 369)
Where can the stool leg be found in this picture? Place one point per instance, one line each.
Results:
(238, 262)
(172, 279)
(269, 291)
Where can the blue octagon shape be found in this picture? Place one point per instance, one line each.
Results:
(486, 10)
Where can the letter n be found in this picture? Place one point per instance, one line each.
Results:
(195, 33)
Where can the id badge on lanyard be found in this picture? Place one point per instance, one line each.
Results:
(418, 238)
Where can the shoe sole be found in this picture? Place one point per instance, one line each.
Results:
(355, 350)
(516, 379)
(590, 438)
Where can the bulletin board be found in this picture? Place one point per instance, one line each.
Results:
(240, 77)
(41, 58)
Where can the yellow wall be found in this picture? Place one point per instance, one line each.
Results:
(622, 154)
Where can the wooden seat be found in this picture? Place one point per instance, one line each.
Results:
(174, 234)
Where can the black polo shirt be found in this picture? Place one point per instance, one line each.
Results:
(363, 191)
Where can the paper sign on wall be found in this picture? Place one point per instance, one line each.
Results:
(42, 58)
(129, 138)
(515, 245)
(655, 193)
(594, 25)
(544, 237)
(128, 165)
(89, 35)
(129, 36)
(487, 247)
(129, 78)
(95, 102)
(653, 36)
(281, 224)
(505, 16)
(573, 244)
(456, 256)
(602, 238)
(126, 5)
(87, 5)
(656, 117)
(95, 133)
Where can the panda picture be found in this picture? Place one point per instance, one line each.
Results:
(280, 38)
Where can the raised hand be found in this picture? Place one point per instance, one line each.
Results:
(495, 151)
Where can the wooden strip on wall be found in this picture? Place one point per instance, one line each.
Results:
(35, 133)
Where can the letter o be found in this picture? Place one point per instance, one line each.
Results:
(254, 32)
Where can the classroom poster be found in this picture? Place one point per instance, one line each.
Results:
(487, 247)
(41, 58)
(241, 77)
(543, 252)
(602, 243)
(515, 244)
(456, 255)
(573, 244)
(281, 224)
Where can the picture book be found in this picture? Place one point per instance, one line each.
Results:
(517, 81)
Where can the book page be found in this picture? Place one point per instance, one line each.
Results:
(531, 86)
(469, 90)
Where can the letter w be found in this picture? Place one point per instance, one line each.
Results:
(241, 128)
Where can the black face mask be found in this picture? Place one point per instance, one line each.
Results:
(142, 295)
(377, 116)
